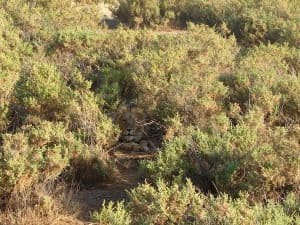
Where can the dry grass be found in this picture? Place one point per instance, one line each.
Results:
(44, 204)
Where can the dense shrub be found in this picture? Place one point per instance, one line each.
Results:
(158, 71)
(268, 77)
(248, 158)
(251, 22)
(123, 65)
(173, 204)
(10, 49)
(91, 168)
(98, 56)
(62, 76)
(42, 92)
(139, 12)
(90, 124)
(71, 38)
(113, 215)
(170, 10)
(35, 153)
(170, 163)
(85, 116)
(42, 203)
(37, 19)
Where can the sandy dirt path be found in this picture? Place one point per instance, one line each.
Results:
(127, 178)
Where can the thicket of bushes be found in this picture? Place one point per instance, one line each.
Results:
(173, 204)
(62, 77)
(36, 153)
(50, 117)
(263, 162)
(251, 22)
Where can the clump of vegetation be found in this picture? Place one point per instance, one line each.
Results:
(36, 153)
(42, 203)
(91, 168)
(11, 47)
(113, 215)
(248, 157)
(252, 22)
(158, 75)
(261, 80)
(136, 13)
(42, 92)
(224, 82)
(164, 204)
(248, 135)
(38, 19)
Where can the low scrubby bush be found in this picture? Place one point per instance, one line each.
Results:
(91, 168)
(137, 12)
(38, 19)
(42, 203)
(41, 91)
(164, 204)
(158, 72)
(62, 76)
(11, 48)
(113, 215)
(86, 118)
(252, 22)
(36, 153)
(135, 65)
(249, 157)
(170, 163)
(267, 77)
(89, 123)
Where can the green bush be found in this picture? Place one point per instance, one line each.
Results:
(139, 12)
(35, 153)
(91, 168)
(169, 11)
(267, 77)
(62, 76)
(112, 215)
(10, 50)
(89, 123)
(164, 204)
(85, 117)
(41, 91)
(98, 56)
(38, 19)
(170, 163)
(252, 22)
(127, 65)
(248, 157)
(70, 39)
(160, 70)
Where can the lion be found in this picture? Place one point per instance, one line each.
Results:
(133, 136)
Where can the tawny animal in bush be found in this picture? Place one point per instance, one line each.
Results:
(132, 123)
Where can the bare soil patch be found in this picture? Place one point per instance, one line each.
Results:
(128, 177)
